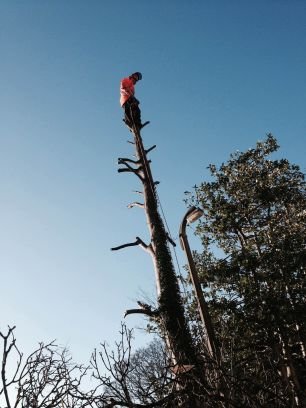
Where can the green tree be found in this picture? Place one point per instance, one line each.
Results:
(253, 269)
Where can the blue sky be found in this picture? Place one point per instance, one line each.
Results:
(217, 76)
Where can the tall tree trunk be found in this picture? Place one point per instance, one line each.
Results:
(171, 315)
(169, 300)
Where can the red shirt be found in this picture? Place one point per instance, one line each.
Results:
(127, 90)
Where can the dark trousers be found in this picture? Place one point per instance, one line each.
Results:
(132, 114)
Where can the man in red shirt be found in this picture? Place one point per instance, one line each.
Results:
(129, 103)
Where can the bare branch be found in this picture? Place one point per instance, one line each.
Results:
(46, 378)
(123, 160)
(126, 170)
(137, 242)
(144, 309)
(151, 313)
(136, 204)
(125, 246)
(151, 148)
(131, 170)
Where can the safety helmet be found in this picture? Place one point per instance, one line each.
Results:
(137, 76)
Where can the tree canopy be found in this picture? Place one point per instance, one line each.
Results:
(253, 268)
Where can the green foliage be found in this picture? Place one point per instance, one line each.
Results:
(255, 220)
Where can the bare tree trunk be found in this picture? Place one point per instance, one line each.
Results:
(169, 299)
(170, 306)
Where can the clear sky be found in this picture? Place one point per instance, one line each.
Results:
(217, 77)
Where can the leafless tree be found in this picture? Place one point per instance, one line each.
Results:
(47, 378)
(126, 379)
(146, 378)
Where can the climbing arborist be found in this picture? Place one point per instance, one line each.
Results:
(129, 103)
